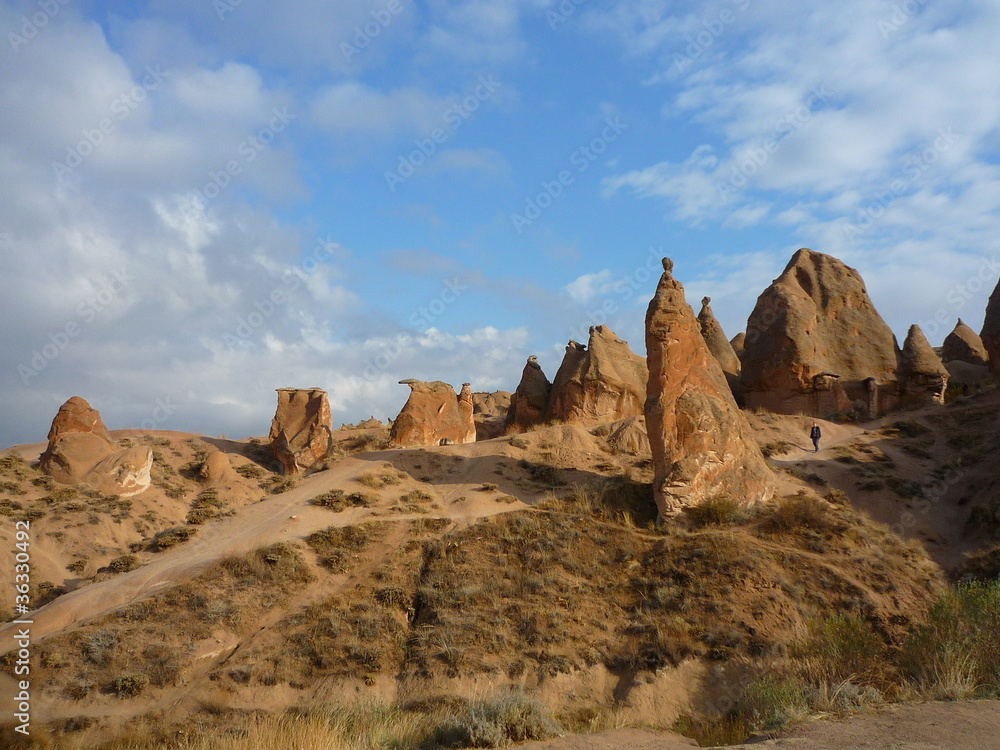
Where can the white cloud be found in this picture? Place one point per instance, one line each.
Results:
(590, 286)
(352, 108)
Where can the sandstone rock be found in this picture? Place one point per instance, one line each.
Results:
(923, 378)
(490, 413)
(80, 450)
(964, 345)
(815, 344)
(701, 443)
(432, 413)
(966, 375)
(302, 429)
(466, 410)
(216, 468)
(990, 335)
(602, 382)
(629, 436)
(531, 399)
(738, 343)
(369, 424)
(715, 337)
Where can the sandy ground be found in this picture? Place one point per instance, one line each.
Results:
(930, 726)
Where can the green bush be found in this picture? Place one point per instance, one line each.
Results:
(771, 701)
(497, 722)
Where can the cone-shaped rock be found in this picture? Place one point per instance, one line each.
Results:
(531, 399)
(738, 342)
(964, 345)
(990, 335)
(466, 410)
(602, 382)
(815, 343)
(431, 414)
(715, 337)
(302, 429)
(80, 450)
(922, 376)
(701, 443)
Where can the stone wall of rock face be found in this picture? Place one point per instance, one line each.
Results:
(923, 378)
(964, 345)
(530, 401)
(431, 414)
(701, 443)
(990, 335)
(302, 429)
(815, 344)
(80, 451)
(602, 382)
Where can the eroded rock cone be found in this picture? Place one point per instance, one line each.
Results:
(815, 344)
(923, 377)
(81, 451)
(715, 337)
(302, 429)
(701, 443)
(738, 342)
(602, 382)
(990, 335)
(964, 345)
(431, 414)
(466, 411)
(531, 399)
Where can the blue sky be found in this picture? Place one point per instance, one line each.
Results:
(203, 201)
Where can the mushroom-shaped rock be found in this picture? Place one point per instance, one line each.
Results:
(923, 377)
(302, 429)
(431, 413)
(964, 345)
(701, 443)
(531, 399)
(602, 382)
(816, 318)
(80, 450)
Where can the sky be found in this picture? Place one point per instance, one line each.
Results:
(204, 200)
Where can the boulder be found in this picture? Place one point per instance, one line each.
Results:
(80, 451)
(715, 338)
(216, 468)
(964, 345)
(923, 378)
(302, 429)
(815, 344)
(531, 399)
(431, 414)
(629, 436)
(701, 443)
(602, 382)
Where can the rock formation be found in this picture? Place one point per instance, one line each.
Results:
(490, 413)
(302, 429)
(738, 343)
(715, 337)
(990, 335)
(432, 413)
(816, 345)
(923, 378)
(964, 345)
(531, 399)
(80, 450)
(701, 443)
(602, 382)
(216, 468)
(466, 410)
(629, 436)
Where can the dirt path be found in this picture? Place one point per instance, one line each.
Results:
(973, 725)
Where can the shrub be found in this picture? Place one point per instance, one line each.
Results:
(847, 648)
(124, 564)
(497, 722)
(250, 471)
(801, 511)
(770, 702)
(129, 685)
(173, 536)
(775, 448)
(721, 510)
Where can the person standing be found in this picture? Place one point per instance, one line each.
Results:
(815, 433)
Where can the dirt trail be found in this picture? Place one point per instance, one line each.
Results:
(279, 517)
(973, 725)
